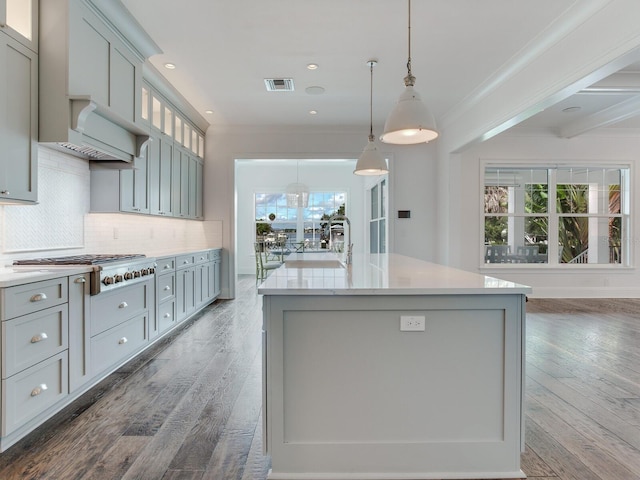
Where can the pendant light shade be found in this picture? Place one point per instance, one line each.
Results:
(410, 122)
(297, 193)
(371, 162)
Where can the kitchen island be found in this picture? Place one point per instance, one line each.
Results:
(391, 368)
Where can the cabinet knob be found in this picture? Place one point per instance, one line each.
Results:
(167, 315)
(39, 389)
(167, 266)
(80, 280)
(39, 337)
(167, 288)
(5, 192)
(38, 297)
(123, 305)
(122, 341)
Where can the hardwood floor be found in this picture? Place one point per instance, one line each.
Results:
(189, 408)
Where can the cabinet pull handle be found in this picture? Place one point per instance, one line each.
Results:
(167, 288)
(39, 389)
(39, 337)
(167, 315)
(38, 297)
(5, 192)
(123, 305)
(80, 280)
(122, 341)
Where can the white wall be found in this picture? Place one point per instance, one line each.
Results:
(412, 180)
(254, 176)
(540, 147)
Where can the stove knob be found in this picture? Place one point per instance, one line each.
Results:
(152, 270)
(136, 274)
(144, 272)
(108, 281)
(128, 275)
(118, 278)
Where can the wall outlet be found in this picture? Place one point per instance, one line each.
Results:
(412, 323)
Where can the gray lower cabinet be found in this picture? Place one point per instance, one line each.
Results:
(166, 294)
(57, 340)
(18, 121)
(35, 351)
(119, 325)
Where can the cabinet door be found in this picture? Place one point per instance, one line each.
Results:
(79, 338)
(193, 189)
(18, 121)
(199, 183)
(166, 177)
(185, 293)
(180, 187)
(134, 191)
(217, 288)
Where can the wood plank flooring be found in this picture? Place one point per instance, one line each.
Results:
(189, 408)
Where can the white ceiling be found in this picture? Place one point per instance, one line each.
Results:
(224, 49)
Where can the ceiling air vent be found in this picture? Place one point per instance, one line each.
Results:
(279, 84)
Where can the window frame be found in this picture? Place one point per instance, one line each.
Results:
(626, 211)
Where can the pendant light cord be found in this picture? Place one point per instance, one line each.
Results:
(371, 64)
(409, 80)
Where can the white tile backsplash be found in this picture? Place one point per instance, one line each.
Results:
(61, 224)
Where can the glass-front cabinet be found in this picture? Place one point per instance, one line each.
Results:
(19, 19)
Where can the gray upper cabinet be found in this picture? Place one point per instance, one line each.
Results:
(134, 186)
(18, 121)
(19, 19)
(161, 176)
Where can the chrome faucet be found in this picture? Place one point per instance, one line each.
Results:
(349, 249)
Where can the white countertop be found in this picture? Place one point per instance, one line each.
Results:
(11, 276)
(387, 274)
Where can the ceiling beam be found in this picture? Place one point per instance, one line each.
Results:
(614, 114)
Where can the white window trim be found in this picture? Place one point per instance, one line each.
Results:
(627, 265)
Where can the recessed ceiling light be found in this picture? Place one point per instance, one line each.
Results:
(312, 66)
(571, 109)
(209, 112)
(315, 90)
(313, 112)
(170, 66)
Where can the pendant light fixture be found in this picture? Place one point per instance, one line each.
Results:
(410, 122)
(297, 193)
(371, 162)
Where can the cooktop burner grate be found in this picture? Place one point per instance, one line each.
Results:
(89, 259)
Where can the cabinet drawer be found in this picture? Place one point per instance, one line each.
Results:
(32, 338)
(32, 391)
(166, 286)
(31, 297)
(118, 343)
(201, 257)
(185, 260)
(112, 308)
(167, 315)
(166, 264)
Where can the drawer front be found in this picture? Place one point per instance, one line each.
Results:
(201, 257)
(183, 261)
(32, 338)
(166, 264)
(118, 343)
(166, 286)
(167, 315)
(34, 390)
(215, 255)
(112, 308)
(32, 297)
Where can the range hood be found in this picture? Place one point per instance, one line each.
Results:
(95, 133)
(91, 56)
